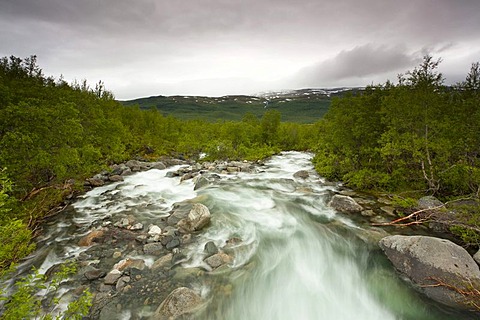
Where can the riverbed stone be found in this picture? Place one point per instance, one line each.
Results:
(210, 249)
(158, 166)
(198, 218)
(154, 230)
(302, 174)
(180, 302)
(438, 267)
(175, 242)
(162, 262)
(218, 260)
(200, 182)
(122, 282)
(115, 178)
(154, 248)
(112, 277)
(344, 204)
(88, 239)
(94, 274)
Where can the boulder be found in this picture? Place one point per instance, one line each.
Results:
(197, 218)
(344, 204)
(302, 174)
(438, 267)
(158, 166)
(200, 182)
(179, 302)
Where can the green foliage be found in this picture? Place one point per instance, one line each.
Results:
(16, 243)
(404, 202)
(415, 135)
(36, 297)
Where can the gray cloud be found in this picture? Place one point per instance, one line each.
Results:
(164, 41)
(359, 62)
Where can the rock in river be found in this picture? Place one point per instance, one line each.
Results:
(198, 217)
(344, 204)
(180, 302)
(440, 268)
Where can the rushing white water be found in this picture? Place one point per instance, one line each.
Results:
(295, 257)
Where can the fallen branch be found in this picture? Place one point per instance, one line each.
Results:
(415, 214)
(472, 295)
(420, 221)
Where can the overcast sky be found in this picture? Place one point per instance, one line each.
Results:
(216, 47)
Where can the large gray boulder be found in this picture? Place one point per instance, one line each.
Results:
(179, 302)
(438, 267)
(197, 218)
(344, 204)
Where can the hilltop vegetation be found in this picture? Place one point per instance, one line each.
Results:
(300, 106)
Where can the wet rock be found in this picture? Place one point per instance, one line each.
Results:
(123, 223)
(187, 176)
(162, 262)
(154, 248)
(436, 266)
(232, 169)
(130, 263)
(344, 204)
(95, 182)
(154, 230)
(122, 282)
(302, 174)
(112, 277)
(175, 242)
(200, 182)
(127, 172)
(198, 218)
(181, 301)
(115, 178)
(210, 249)
(136, 226)
(218, 260)
(158, 166)
(94, 274)
(88, 240)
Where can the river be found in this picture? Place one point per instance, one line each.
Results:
(296, 258)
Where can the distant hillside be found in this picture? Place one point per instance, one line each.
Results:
(301, 106)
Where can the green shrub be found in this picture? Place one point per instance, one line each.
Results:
(35, 297)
